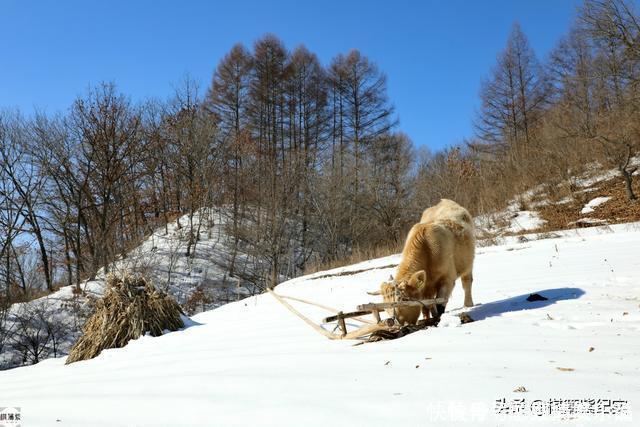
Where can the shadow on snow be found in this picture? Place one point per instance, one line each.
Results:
(520, 303)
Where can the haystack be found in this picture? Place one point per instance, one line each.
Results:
(130, 307)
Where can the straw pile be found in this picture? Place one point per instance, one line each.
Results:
(130, 307)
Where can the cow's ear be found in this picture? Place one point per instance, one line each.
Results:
(418, 279)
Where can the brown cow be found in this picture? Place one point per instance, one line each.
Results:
(437, 251)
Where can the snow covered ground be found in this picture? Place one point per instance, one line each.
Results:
(513, 219)
(253, 363)
(593, 204)
(508, 222)
(525, 220)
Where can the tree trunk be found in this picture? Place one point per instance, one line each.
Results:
(628, 181)
(23, 283)
(43, 253)
(67, 258)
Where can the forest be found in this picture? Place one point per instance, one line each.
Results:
(307, 160)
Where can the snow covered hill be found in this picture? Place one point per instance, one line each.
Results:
(253, 363)
(160, 257)
(594, 197)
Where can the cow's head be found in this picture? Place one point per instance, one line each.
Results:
(403, 290)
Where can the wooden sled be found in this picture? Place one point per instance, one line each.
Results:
(370, 327)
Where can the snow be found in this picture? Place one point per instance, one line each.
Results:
(513, 219)
(595, 173)
(507, 222)
(162, 256)
(253, 362)
(525, 220)
(589, 221)
(592, 204)
(591, 179)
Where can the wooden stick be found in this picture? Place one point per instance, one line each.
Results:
(301, 316)
(360, 332)
(342, 324)
(324, 307)
(383, 305)
(345, 316)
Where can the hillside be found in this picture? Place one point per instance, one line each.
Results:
(594, 197)
(162, 258)
(200, 282)
(253, 360)
(204, 219)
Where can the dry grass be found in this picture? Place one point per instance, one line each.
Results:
(17, 296)
(199, 299)
(130, 307)
(357, 255)
(616, 210)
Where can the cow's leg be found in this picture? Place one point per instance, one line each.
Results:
(467, 280)
(444, 286)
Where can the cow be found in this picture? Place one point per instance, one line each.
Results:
(438, 250)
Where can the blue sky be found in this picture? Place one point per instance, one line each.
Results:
(435, 53)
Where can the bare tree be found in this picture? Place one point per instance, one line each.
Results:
(228, 100)
(616, 23)
(388, 184)
(28, 183)
(514, 97)
(597, 67)
(37, 332)
(361, 113)
(365, 111)
(107, 131)
(308, 117)
(195, 157)
(5, 330)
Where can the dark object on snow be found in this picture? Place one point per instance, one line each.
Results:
(465, 318)
(131, 306)
(536, 297)
(401, 331)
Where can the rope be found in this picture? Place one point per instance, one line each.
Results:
(365, 330)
